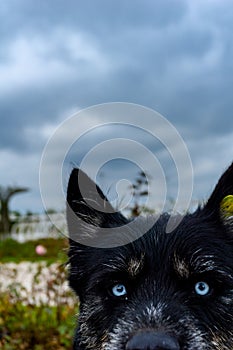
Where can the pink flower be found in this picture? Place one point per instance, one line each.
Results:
(40, 250)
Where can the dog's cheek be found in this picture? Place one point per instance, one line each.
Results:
(214, 320)
(222, 341)
(208, 337)
(94, 321)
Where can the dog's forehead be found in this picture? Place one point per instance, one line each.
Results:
(193, 246)
(190, 245)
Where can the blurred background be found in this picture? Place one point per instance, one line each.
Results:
(56, 58)
(59, 57)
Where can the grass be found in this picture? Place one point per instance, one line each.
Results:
(13, 251)
(32, 327)
(37, 325)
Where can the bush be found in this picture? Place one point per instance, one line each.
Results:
(35, 327)
(33, 324)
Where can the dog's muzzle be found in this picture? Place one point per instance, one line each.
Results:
(151, 340)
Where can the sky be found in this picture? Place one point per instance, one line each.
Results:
(60, 57)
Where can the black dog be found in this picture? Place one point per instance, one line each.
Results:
(161, 291)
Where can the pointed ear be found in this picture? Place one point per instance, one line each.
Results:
(220, 202)
(88, 209)
(84, 196)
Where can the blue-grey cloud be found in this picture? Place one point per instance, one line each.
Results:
(174, 56)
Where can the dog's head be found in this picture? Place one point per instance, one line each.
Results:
(160, 291)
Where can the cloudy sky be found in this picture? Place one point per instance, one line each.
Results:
(58, 57)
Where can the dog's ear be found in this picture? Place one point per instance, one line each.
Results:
(88, 209)
(220, 203)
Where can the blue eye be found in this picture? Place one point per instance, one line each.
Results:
(119, 290)
(202, 288)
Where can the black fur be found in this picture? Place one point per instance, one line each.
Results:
(160, 271)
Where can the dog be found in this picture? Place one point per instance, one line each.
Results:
(159, 290)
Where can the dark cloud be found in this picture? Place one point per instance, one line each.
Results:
(158, 55)
(104, 16)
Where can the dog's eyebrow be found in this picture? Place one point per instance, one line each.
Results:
(198, 264)
(181, 267)
(132, 267)
(208, 263)
(205, 265)
(203, 262)
(118, 263)
(135, 265)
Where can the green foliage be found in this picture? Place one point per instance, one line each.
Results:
(35, 327)
(33, 324)
(140, 194)
(13, 251)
